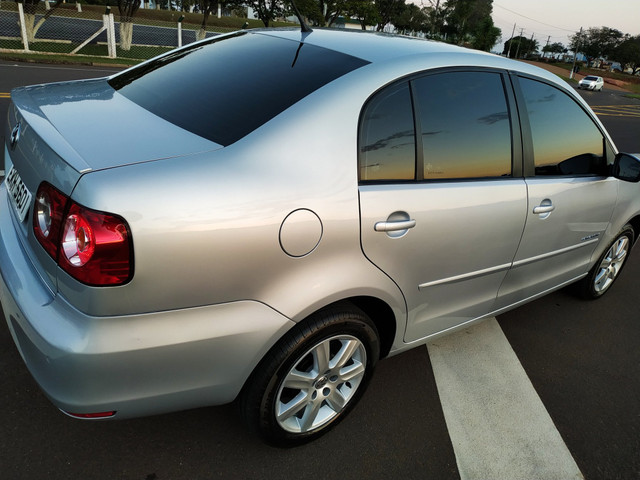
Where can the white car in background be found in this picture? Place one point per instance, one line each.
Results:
(591, 82)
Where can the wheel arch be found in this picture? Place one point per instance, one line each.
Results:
(382, 316)
(635, 224)
(378, 311)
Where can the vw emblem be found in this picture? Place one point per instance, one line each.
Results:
(15, 136)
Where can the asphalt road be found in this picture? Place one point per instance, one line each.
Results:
(581, 357)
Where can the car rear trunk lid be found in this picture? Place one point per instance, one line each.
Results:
(59, 132)
(92, 127)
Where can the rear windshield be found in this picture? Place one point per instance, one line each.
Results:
(226, 88)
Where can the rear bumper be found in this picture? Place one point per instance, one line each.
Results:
(135, 365)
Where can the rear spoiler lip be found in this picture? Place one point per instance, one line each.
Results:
(27, 109)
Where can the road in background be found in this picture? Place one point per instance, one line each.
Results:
(581, 357)
(619, 114)
(17, 74)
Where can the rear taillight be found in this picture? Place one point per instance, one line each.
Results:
(47, 217)
(93, 247)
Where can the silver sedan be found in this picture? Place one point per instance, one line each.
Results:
(264, 215)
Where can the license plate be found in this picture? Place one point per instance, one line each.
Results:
(18, 193)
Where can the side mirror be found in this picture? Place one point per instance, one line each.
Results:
(626, 167)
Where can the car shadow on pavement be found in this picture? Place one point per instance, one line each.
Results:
(396, 431)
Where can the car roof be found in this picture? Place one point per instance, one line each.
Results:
(385, 48)
(368, 45)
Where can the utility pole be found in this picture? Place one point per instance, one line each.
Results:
(530, 44)
(511, 40)
(519, 41)
(545, 47)
(575, 52)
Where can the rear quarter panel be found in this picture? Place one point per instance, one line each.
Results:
(205, 227)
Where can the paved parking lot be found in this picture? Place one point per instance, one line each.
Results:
(576, 360)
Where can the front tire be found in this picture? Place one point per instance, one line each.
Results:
(608, 267)
(312, 378)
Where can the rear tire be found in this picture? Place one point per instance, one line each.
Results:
(312, 378)
(608, 267)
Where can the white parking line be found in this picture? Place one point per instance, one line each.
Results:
(498, 425)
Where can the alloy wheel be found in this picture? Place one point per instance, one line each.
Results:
(611, 264)
(320, 384)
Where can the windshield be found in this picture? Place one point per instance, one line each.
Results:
(226, 88)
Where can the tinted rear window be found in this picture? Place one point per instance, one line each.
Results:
(228, 87)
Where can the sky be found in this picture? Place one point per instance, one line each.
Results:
(561, 18)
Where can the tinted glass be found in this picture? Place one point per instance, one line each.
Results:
(465, 125)
(226, 88)
(387, 136)
(565, 139)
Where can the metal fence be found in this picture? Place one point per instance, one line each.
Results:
(76, 29)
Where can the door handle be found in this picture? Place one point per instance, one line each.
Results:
(543, 209)
(394, 226)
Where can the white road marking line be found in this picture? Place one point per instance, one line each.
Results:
(498, 425)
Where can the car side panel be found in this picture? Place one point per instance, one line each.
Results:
(557, 247)
(451, 264)
(206, 228)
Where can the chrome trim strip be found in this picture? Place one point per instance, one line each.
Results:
(499, 268)
(544, 256)
(495, 313)
(466, 276)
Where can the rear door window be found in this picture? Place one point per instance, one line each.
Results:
(465, 126)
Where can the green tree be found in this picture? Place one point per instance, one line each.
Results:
(597, 42)
(468, 22)
(435, 17)
(556, 47)
(311, 11)
(127, 9)
(485, 35)
(267, 10)
(387, 9)
(31, 26)
(365, 11)
(206, 7)
(329, 10)
(465, 19)
(409, 19)
(628, 54)
(520, 47)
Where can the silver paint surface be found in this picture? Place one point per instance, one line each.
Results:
(233, 246)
